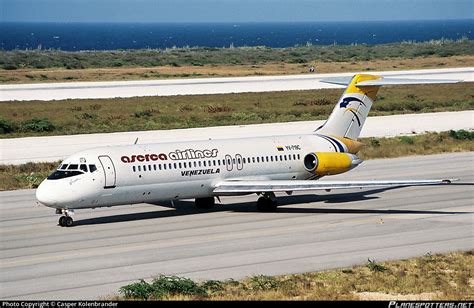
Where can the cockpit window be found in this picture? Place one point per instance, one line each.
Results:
(92, 168)
(73, 167)
(83, 167)
(63, 167)
(60, 174)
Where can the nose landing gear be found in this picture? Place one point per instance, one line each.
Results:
(65, 220)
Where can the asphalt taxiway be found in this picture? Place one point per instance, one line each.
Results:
(111, 247)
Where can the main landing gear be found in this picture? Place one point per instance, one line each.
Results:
(267, 203)
(65, 220)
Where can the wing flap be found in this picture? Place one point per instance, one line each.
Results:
(243, 187)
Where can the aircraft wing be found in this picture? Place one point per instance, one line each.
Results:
(237, 187)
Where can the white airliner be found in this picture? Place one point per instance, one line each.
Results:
(204, 170)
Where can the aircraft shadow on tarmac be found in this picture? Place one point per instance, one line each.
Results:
(183, 208)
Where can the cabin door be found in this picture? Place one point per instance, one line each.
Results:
(109, 171)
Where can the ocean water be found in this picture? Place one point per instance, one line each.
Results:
(111, 36)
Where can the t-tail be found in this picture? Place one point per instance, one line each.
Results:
(349, 115)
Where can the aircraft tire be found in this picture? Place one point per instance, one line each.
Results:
(68, 221)
(266, 205)
(62, 221)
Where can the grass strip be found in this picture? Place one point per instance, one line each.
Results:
(445, 277)
(76, 116)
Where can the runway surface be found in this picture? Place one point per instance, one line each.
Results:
(38, 149)
(111, 89)
(111, 247)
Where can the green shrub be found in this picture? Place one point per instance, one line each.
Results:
(373, 266)
(173, 285)
(6, 126)
(461, 134)
(407, 140)
(138, 290)
(141, 114)
(163, 286)
(9, 67)
(37, 125)
(263, 282)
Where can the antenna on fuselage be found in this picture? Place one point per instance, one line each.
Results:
(136, 140)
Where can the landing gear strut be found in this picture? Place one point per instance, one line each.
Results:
(267, 203)
(65, 220)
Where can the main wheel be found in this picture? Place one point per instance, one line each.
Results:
(266, 205)
(205, 203)
(68, 221)
(62, 222)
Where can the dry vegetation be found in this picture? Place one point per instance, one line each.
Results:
(431, 277)
(28, 66)
(151, 113)
(32, 75)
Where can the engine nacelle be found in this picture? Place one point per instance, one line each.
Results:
(329, 163)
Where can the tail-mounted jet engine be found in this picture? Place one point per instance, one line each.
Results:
(329, 163)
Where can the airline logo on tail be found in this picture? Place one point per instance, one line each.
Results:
(345, 104)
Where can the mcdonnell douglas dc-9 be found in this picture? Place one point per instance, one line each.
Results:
(207, 169)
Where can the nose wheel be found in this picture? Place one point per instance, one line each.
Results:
(66, 221)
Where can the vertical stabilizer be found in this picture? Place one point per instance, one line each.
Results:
(348, 116)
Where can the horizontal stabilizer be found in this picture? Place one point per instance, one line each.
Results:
(386, 81)
(243, 187)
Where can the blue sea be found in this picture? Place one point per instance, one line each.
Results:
(112, 36)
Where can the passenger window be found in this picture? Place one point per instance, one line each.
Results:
(149, 167)
(204, 162)
(144, 167)
(199, 163)
(164, 166)
(170, 166)
(83, 167)
(258, 159)
(298, 156)
(285, 157)
(180, 166)
(271, 158)
(92, 168)
(139, 168)
(133, 168)
(73, 167)
(154, 167)
(174, 165)
(281, 157)
(294, 156)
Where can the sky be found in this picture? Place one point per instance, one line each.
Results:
(232, 10)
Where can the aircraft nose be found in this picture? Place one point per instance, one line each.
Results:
(44, 195)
